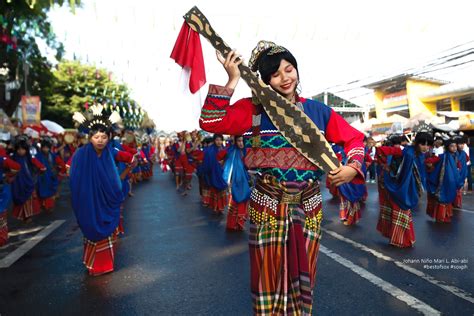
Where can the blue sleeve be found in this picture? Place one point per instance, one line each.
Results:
(318, 112)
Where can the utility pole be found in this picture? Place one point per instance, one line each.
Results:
(26, 71)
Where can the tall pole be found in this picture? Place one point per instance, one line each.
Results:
(25, 73)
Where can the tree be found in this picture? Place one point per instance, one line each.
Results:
(22, 23)
(76, 86)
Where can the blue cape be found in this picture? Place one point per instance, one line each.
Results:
(462, 156)
(121, 168)
(47, 183)
(212, 170)
(24, 184)
(236, 174)
(443, 180)
(403, 187)
(5, 197)
(5, 191)
(96, 192)
(146, 151)
(354, 192)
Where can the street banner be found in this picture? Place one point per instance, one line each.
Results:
(31, 110)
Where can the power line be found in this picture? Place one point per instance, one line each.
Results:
(421, 70)
(450, 66)
(432, 62)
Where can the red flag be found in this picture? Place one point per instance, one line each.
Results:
(187, 52)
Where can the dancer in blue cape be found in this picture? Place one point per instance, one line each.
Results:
(443, 179)
(235, 174)
(25, 202)
(8, 168)
(48, 181)
(402, 188)
(96, 190)
(213, 174)
(464, 170)
(351, 196)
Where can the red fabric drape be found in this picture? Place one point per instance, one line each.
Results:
(187, 52)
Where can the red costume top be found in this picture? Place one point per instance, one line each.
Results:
(9, 165)
(267, 150)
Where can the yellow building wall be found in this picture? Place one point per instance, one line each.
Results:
(379, 106)
(416, 88)
(455, 105)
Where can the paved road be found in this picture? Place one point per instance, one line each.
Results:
(177, 258)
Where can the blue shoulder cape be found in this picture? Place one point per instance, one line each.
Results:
(96, 192)
(212, 170)
(47, 181)
(443, 180)
(462, 156)
(406, 186)
(354, 192)
(121, 168)
(24, 184)
(236, 174)
(5, 191)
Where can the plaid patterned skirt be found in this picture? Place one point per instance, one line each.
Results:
(99, 256)
(147, 174)
(349, 212)
(48, 203)
(28, 209)
(236, 215)
(458, 200)
(217, 200)
(384, 223)
(440, 212)
(283, 244)
(402, 233)
(3, 228)
(395, 223)
(204, 191)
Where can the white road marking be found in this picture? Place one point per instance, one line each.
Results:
(12, 257)
(399, 294)
(24, 231)
(450, 288)
(463, 210)
(11, 244)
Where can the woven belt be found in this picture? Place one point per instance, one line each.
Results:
(284, 192)
(289, 198)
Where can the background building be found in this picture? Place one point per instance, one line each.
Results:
(409, 96)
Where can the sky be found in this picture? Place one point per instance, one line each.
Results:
(335, 42)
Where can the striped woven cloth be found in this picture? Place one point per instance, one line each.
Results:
(99, 256)
(3, 228)
(283, 244)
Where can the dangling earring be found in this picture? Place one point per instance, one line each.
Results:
(298, 87)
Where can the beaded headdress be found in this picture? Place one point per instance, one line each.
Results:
(47, 141)
(260, 48)
(422, 127)
(21, 139)
(95, 118)
(145, 138)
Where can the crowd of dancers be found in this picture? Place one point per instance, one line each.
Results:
(261, 176)
(35, 163)
(222, 177)
(403, 169)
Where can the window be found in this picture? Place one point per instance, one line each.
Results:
(467, 105)
(400, 110)
(443, 105)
